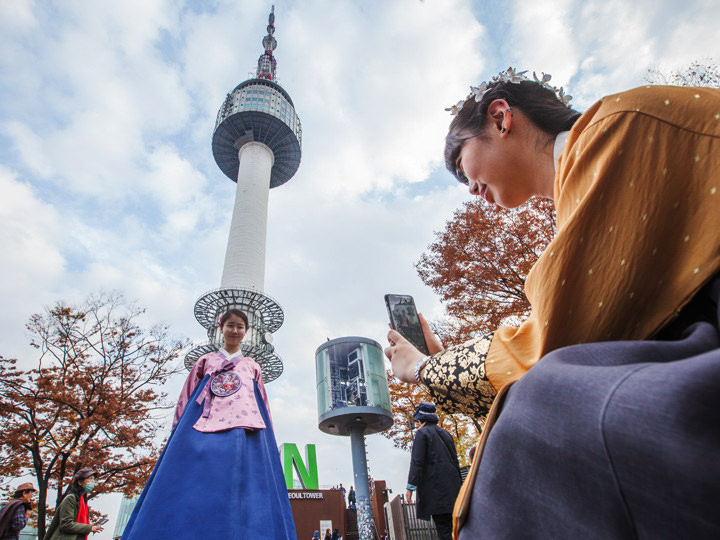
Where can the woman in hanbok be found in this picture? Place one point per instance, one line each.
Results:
(219, 475)
(605, 419)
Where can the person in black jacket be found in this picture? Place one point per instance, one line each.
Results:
(434, 471)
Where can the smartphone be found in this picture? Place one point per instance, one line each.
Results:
(102, 522)
(404, 318)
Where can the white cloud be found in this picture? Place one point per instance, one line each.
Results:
(17, 15)
(33, 262)
(179, 189)
(543, 38)
(595, 48)
(105, 92)
(30, 234)
(374, 107)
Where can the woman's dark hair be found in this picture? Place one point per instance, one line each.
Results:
(77, 489)
(237, 313)
(540, 104)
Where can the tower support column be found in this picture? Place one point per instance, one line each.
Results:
(245, 256)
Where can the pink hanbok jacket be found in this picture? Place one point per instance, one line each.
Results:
(239, 410)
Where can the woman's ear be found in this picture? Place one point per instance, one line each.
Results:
(500, 114)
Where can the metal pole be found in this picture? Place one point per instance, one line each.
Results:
(362, 488)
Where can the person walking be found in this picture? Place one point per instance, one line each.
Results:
(15, 515)
(351, 498)
(342, 489)
(434, 471)
(72, 518)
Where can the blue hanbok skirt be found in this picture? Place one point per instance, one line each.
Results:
(227, 485)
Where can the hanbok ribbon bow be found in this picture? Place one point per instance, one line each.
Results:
(206, 395)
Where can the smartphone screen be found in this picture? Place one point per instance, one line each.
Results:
(404, 318)
(102, 521)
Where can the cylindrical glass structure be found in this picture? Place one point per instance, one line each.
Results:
(352, 386)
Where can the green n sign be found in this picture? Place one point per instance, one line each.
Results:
(291, 459)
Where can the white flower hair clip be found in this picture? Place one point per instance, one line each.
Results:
(512, 76)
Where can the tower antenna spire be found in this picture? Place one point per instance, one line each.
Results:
(267, 63)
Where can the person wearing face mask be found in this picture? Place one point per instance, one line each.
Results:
(72, 518)
(219, 475)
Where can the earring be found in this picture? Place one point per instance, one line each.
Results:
(508, 109)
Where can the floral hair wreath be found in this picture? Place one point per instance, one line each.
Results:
(512, 76)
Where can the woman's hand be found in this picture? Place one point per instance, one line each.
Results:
(96, 528)
(404, 356)
(408, 496)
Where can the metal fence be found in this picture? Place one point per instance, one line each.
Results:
(403, 524)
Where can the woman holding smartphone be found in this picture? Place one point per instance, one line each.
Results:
(219, 475)
(607, 398)
(72, 517)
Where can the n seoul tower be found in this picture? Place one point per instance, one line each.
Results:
(256, 143)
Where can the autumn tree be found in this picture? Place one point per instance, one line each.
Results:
(479, 262)
(706, 73)
(92, 400)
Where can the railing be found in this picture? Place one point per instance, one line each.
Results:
(403, 524)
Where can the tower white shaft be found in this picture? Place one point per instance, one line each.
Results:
(245, 256)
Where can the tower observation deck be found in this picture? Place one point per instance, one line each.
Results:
(257, 144)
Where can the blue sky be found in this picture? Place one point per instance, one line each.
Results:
(107, 180)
